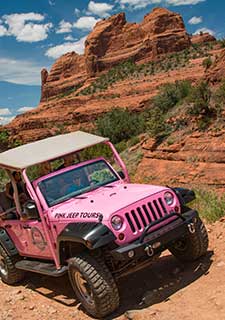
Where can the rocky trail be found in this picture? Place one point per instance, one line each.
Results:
(166, 290)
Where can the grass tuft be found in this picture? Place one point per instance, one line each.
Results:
(210, 205)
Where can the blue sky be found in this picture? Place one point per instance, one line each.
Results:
(35, 33)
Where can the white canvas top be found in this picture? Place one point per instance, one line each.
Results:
(47, 149)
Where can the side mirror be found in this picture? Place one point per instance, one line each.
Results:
(30, 210)
(121, 174)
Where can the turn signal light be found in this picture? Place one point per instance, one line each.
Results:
(121, 236)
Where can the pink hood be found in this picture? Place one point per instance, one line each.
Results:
(104, 200)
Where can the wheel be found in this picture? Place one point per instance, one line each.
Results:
(193, 245)
(94, 285)
(8, 272)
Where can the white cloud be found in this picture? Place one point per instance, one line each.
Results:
(140, 4)
(195, 20)
(57, 51)
(34, 32)
(205, 30)
(64, 27)
(5, 120)
(5, 112)
(69, 38)
(137, 4)
(99, 9)
(85, 23)
(24, 31)
(3, 31)
(25, 109)
(20, 71)
(183, 2)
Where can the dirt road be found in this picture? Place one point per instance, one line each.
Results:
(166, 290)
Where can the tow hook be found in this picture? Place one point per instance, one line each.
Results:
(149, 250)
(191, 228)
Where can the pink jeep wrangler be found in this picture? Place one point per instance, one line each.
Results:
(88, 220)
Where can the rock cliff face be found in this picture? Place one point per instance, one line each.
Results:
(202, 38)
(195, 160)
(67, 73)
(216, 72)
(114, 40)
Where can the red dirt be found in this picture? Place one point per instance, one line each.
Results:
(164, 291)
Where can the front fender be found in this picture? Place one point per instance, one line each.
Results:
(92, 235)
(185, 195)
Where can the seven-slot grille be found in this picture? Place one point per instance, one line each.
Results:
(146, 213)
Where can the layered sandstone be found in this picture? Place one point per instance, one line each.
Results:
(202, 38)
(67, 73)
(115, 40)
(194, 160)
(216, 72)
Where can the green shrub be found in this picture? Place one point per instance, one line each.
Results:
(200, 99)
(156, 125)
(219, 95)
(207, 62)
(101, 176)
(119, 124)
(16, 143)
(4, 137)
(171, 94)
(203, 123)
(34, 172)
(99, 150)
(4, 178)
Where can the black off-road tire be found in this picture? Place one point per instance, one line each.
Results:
(100, 282)
(193, 245)
(8, 272)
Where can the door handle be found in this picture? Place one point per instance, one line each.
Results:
(26, 227)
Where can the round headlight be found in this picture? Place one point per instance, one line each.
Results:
(169, 198)
(117, 223)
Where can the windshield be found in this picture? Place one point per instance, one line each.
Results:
(77, 181)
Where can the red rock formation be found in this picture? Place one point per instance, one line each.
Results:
(202, 38)
(66, 73)
(69, 113)
(194, 160)
(114, 40)
(216, 72)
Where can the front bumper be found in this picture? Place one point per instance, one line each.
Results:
(151, 243)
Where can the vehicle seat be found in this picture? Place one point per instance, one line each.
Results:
(7, 212)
